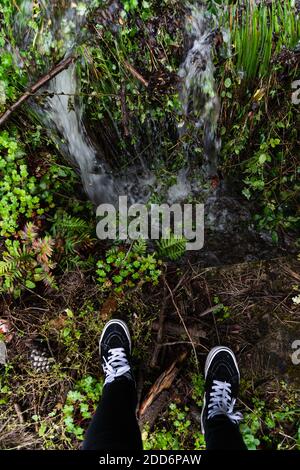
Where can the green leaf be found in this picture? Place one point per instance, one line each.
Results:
(262, 158)
(117, 279)
(29, 284)
(228, 83)
(246, 193)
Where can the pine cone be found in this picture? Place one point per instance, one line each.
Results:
(40, 361)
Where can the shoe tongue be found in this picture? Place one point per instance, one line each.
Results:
(115, 342)
(222, 374)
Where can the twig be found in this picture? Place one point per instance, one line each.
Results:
(135, 73)
(39, 84)
(124, 110)
(139, 388)
(176, 330)
(160, 332)
(210, 310)
(28, 444)
(4, 425)
(181, 280)
(175, 343)
(202, 272)
(19, 413)
(215, 323)
(183, 323)
(286, 436)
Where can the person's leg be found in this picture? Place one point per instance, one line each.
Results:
(221, 433)
(219, 421)
(114, 425)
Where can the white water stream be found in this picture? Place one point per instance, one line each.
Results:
(62, 114)
(199, 99)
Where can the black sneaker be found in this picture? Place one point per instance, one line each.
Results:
(222, 379)
(115, 351)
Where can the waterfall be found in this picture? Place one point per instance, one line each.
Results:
(65, 117)
(199, 97)
(61, 113)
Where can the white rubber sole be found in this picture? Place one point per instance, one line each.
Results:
(211, 355)
(119, 322)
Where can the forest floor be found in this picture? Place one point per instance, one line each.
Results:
(248, 307)
(129, 86)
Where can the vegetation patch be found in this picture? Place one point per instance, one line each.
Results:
(59, 284)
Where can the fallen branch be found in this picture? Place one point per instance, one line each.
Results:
(35, 88)
(163, 382)
(156, 409)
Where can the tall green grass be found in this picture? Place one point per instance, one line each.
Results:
(259, 32)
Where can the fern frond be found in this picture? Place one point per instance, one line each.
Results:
(7, 268)
(26, 261)
(69, 224)
(72, 243)
(114, 250)
(49, 280)
(172, 247)
(139, 246)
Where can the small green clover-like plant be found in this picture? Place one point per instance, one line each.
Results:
(126, 269)
(221, 310)
(23, 195)
(250, 439)
(179, 418)
(161, 439)
(175, 437)
(18, 191)
(130, 5)
(199, 441)
(70, 334)
(5, 385)
(80, 405)
(251, 425)
(198, 382)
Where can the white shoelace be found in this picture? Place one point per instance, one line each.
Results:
(220, 402)
(116, 365)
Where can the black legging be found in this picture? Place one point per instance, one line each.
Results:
(114, 425)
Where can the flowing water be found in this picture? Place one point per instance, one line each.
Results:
(199, 97)
(62, 114)
(65, 118)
